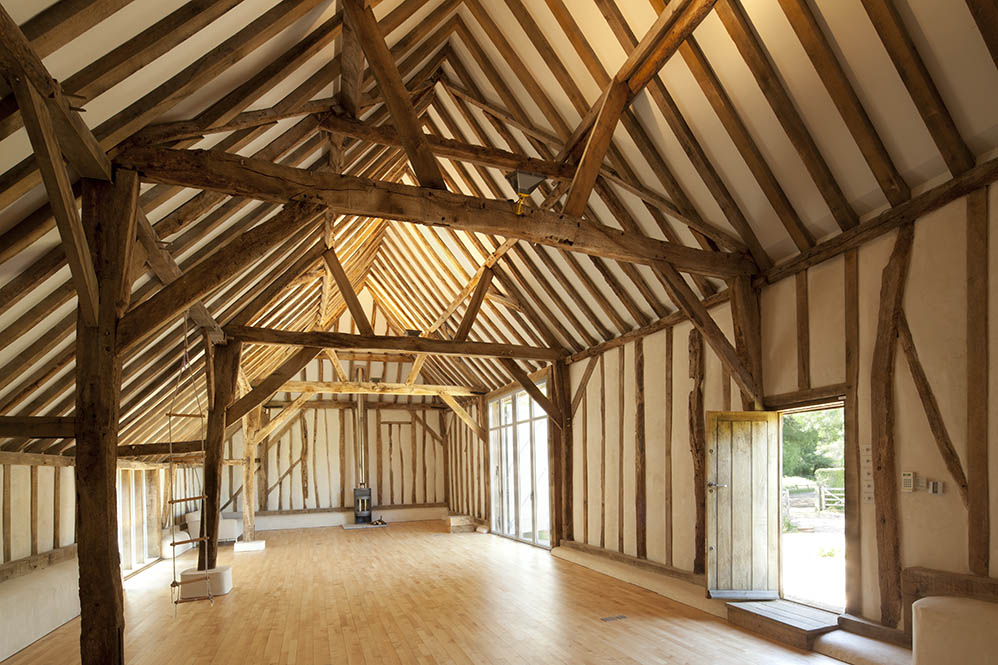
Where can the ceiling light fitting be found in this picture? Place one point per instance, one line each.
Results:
(524, 183)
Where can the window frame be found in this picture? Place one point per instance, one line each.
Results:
(498, 464)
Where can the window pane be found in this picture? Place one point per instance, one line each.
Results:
(507, 410)
(509, 503)
(494, 413)
(496, 453)
(525, 481)
(538, 411)
(541, 483)
(522, 405)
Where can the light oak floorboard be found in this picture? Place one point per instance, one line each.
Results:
(412, 593)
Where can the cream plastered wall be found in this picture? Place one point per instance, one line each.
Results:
(934, 529)
(20, 509)
(468, 467)
(326, 478)
(34, 604)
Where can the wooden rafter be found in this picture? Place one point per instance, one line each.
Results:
(928, 101)
(614, 100)
(347, 291)
(643, 63)
(24, 71)
(986, 15)
(580, 275)
(827, 65)
(411, 270)
(483, 275)
(737, 23)
(166, 270)
(123, 124)
(393, 92)
(688, 212)
(448, 148)
(48, 154)
(474, 305)
(351, 70)
(38, 426)
(124, 60)
(148, 316)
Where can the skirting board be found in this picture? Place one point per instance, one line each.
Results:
(249, 545)
(675, 589)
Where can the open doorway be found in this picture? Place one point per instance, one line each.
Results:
(812, 507)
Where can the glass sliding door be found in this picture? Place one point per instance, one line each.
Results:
(518, 437)
(542, 496)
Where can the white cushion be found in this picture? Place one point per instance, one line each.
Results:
(228, 529)
(954, 630)
(197, 582)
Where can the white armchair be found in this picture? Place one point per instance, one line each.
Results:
(229, 528)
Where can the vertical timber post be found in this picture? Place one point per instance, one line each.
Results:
(748, 334)
(565, 449)
(486, 465)
(226, 369)
(109, 217)
(251, 425)
(698, 446)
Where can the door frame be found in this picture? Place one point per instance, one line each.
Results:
(820, 404)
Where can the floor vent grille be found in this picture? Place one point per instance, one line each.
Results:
(619, 617)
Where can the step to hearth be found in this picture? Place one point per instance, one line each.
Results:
(461, 523)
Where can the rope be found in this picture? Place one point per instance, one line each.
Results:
(185, 368)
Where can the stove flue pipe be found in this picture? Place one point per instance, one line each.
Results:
(360, 436)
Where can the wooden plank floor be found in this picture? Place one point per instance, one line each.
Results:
(413, 594)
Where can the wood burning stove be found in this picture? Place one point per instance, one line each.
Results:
(362, 505)
(361, 494)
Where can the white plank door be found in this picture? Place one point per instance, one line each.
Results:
(743, 504)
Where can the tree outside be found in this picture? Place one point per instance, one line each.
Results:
(813, 540)
(813, 440)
